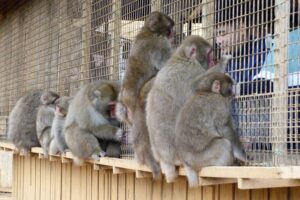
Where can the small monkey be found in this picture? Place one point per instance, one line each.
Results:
(171, 87)
(150, 50)
(204, 130)
(140, 136)
(22, 121)
(87, 120)
(58, 143)
(44, 119)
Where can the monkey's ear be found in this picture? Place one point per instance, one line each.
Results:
(44, 98)
(191, 51)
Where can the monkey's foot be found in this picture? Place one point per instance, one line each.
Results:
(102, 153)
(170, 172)
(24, 152)
(95, 157)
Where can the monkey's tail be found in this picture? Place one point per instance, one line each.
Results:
(78, 161)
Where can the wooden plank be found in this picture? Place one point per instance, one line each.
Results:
(33, 173)
(226, 192)
(83, 182)
(266, 183)
(118, 170)
(15, 176)
(242, 194)
(260, 194)
(47, 190)
(216, 181)
(130, 190)
(279, 194)
(167, 192)
(157, 189)
(38, 178)
(101, 189)
(194, 193)
(180, 189)
(294, 193)
(58, 180)
(114, 187)
(208, 193)
(95, 186)
(141, 174)
(75, 183)
(89, 181)
(122, 187)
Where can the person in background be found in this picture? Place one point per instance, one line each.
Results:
(241, 27)
(293, 74)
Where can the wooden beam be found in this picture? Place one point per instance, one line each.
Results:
(266, 183)
(118, 170)
(141, 174)
(216, 181)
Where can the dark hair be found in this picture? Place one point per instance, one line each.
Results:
(255, 12)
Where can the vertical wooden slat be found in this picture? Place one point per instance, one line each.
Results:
(130, 190)
(101, 190)
(116, 42)
(279, 194)
(15, 191)
(241, 194)
(226, 192)
(58, 180)
(294, 193)
(89, 191)
(38, 178)
(122, 187)
(95, 186)
(167, 191)
(114, 187)
(194, 193)
(156, 5)
(75, 183)
(83, 182)
(180, 189)
(32, 177)
(261, 194)
(208, 192)
(157, 190)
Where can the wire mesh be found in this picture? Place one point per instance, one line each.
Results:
(62, 44)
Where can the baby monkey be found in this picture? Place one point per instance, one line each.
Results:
(204, 130)
(44, 119)
(58, 143)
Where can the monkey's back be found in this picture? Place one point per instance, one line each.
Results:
(198, 121)
(22, 121)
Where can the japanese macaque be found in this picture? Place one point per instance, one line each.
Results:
(22, 121)
(204, 129)
(140, 136)
(150, 51)
(87, 120)
(171, 87)
(44, 119)
(58, 143)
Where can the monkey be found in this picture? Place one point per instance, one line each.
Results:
(22, 121)
(140, 136)
(204, 133)
(44, 119)
(58, 143)
(172, 86)
(150, 50)
(87, 120)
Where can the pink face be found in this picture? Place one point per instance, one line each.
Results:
(59, 111)
(211, 58)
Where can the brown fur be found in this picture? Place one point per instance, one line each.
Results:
(149, 52)
(171, 88)
(204, 133)
(87, 120)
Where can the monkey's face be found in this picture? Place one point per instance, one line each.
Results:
(102, 96)
(62, 106)
(226, 87)
(49, 98)
(161, 24)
